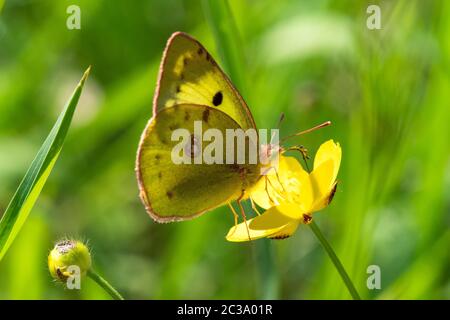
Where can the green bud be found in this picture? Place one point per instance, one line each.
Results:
(65, 254)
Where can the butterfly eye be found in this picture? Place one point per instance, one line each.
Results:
(192, 148)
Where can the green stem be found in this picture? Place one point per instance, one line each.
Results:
(337, 263)
(104, 284)
(268, 277)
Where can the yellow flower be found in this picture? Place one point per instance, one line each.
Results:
(291, 195)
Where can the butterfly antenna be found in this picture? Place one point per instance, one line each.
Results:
(322, 125)
(280, 120)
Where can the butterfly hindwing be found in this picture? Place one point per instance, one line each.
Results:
(173, 192)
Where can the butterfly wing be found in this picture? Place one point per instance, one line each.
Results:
(174, 192)
(189, 75)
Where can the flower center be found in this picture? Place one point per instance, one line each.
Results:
(307, 218)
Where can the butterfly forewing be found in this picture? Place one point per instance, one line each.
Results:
(189, 75)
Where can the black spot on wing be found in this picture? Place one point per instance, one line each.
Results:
(178, 89)
(200, 51)
(217, 99)
(169, 194)
(205, 115)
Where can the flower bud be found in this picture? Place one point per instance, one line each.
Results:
(67, 254)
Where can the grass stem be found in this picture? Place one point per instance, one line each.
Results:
(104, 284)
(337, 263)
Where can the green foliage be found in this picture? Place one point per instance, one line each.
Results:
(385, 91)
(34, 180)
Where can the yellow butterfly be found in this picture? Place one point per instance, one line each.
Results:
(191, 87)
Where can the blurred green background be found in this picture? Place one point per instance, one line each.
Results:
(386, 91)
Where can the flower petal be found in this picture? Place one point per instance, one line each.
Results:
(287, 231)
(323, 177)
(271, 222)
(289, 183)
(329, 150)
(325, 200)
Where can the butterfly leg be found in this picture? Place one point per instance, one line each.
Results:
(267, 189)
(241, 208)
(236, 217)
(254, 207)
(303, 151)
(278, 179)
(271, 184)
(273, 187)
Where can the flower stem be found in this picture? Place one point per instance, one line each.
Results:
(337, 263)
(269, 281)
(104, 284)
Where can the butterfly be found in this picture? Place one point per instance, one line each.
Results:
(191, 88)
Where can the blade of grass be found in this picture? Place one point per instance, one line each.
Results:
(433, 263)
(220, 20)
(32, 183)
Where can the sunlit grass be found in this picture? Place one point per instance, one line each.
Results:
(34, 180)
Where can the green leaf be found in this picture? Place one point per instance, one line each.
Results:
(37, 174)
